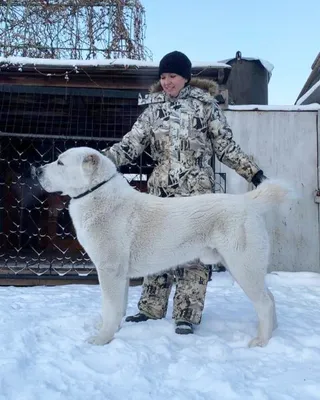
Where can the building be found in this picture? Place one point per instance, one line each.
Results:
(310, 93)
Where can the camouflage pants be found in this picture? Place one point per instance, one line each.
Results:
(188, 302)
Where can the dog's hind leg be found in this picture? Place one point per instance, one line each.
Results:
(249, 272)
(275, 320)
(126, 293)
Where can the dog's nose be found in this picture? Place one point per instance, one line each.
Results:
(36, 172)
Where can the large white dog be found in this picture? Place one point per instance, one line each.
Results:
(131, 234)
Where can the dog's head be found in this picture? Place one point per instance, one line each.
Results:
(75, 171)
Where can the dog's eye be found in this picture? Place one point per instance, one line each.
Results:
(60, 162)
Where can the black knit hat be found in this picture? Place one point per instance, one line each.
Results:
(176, 63)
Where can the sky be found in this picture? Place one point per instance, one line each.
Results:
(44, 353)
(283, 32)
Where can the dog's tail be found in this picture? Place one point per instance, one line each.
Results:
(270, 193)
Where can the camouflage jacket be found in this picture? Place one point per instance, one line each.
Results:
(183, 133)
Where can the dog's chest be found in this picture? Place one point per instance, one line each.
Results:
(78, 220)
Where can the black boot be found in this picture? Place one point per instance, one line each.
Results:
(140, 317)
(184, 328)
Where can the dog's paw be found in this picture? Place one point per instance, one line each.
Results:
(100, 339)
(258, 342)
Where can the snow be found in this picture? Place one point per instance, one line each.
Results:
(313, 88)
(267, 65)
(123, 62)
(44, 353)
(259, 107)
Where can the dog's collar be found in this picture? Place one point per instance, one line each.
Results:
(94, 188)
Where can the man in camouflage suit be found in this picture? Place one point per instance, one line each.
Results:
(185, 128)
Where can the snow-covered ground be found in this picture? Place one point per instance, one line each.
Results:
(44, 353)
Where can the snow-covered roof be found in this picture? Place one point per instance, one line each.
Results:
(312, 95)
(310, 92)
(103, 62)
(259, 107)
(267, 65)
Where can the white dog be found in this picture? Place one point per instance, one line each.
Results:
(131, 234)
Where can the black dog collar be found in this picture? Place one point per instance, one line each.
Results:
(94, 188)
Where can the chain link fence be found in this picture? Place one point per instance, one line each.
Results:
(37, 239)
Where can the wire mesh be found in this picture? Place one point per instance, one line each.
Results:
(37, 238)
(93, 113)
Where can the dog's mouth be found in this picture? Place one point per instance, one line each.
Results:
(37, 174)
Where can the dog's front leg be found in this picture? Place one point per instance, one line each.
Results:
(113, 288)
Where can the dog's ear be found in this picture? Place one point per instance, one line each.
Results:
(91, 162)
